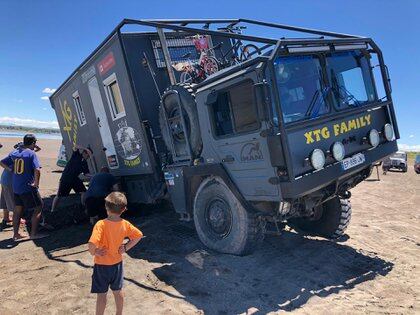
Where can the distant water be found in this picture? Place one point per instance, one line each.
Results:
(20, 134)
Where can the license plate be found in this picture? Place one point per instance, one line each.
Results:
(353, 161)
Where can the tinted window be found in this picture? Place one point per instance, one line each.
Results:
(351, 79)
(235, 110)
(299, 81)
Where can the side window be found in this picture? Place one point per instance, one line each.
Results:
(79, 108)
(235, 110)
(113, 94)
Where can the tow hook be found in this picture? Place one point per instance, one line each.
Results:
(345, 195)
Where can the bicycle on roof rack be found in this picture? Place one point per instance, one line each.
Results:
(239, 52)
(196, 72)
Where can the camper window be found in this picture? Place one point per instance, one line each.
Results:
(79, 109)
(113, 95)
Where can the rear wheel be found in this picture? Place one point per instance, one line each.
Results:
(332, 223)
(222, 223)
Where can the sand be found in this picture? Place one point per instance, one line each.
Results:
(375, 270)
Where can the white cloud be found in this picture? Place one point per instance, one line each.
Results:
(15, 121)
(408, 147)
(411, 136)
(48, 90)
(45, 98)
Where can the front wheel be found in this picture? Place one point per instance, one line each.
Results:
(332, 223)
(222, 223)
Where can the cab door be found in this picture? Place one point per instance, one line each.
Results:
(234, 137)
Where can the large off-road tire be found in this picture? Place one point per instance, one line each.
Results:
(190, 114)
(222, 223)
(334, 220)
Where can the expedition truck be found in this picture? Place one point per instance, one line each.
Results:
(240, 132)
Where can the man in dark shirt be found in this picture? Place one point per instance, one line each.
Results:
(100, 186)
(69, 180)
(24, 164)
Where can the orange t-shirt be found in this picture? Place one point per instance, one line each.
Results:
(110, 235)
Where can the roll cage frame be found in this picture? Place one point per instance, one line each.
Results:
(283, 46)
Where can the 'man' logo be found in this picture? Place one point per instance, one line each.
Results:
(251, 152)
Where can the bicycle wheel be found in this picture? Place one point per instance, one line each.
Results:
(210, 65)
(185, 77)
(248, 51)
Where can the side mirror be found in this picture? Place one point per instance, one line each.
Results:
(212, 98)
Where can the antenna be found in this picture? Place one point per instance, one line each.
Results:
(146, 63)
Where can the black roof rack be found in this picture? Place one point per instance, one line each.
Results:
(192, 26)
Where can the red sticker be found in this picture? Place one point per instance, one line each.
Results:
(107, 63)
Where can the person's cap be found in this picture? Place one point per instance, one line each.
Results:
(29, 139)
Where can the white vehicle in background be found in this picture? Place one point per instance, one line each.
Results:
(62, 159)
(398, 160)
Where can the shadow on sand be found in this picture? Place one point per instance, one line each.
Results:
(283, 274)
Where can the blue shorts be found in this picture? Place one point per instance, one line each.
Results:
(107, 276)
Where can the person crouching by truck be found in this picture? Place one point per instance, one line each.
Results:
(70, 177)
(100, 186)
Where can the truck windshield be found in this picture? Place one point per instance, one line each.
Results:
(351, 79)
(299, 81)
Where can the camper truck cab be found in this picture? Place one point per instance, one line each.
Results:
(281, 135)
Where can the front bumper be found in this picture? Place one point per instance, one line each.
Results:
(333, 173)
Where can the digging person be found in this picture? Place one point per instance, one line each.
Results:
(70, 177)
(100, 186)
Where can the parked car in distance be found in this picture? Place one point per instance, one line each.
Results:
(398, 160)
(417, 164)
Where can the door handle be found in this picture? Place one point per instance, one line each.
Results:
(228, 159)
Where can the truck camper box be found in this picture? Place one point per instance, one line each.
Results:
(110, 105)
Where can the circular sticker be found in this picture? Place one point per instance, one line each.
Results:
(129, 143)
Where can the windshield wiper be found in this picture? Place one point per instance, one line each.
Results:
(316, 102)
(347, 95)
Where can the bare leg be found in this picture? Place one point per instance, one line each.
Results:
(119, 301)
(36, 216)
(17, 215)
(100, 303)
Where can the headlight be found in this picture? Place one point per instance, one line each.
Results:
(389, 132)
(374, 138)
(317, 159)
(338, 151)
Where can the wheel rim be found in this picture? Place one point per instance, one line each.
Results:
(175, 126)
(219, 217)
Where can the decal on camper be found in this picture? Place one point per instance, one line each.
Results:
(107, 63)
(129, 145)
(337, 129)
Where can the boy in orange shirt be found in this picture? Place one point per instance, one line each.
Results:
(106, 244)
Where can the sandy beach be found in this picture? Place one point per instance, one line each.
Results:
(375, 269)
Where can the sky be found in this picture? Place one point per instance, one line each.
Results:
(42, 42)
